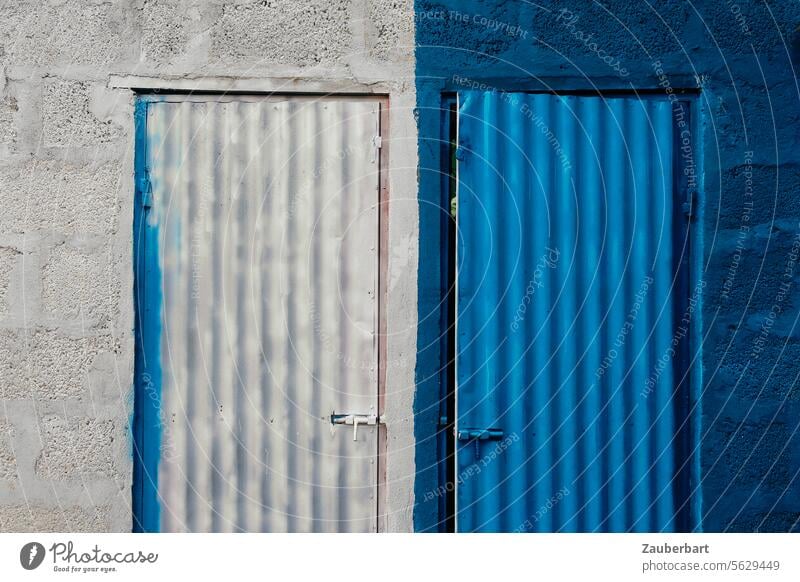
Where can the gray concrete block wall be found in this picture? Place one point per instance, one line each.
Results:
(66, 188)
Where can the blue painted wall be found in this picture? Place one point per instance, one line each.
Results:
(739, 57)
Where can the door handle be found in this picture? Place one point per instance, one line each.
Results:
(370, 419)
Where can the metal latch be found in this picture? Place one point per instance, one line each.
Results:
(355, 420)
(479, 434)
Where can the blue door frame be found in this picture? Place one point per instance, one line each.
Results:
(147, 321)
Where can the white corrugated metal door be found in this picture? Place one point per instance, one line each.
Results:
(268, 227)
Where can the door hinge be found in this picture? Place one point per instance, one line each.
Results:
(689, 207)
(146, 190)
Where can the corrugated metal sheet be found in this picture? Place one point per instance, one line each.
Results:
(267, 220)
(566, 303)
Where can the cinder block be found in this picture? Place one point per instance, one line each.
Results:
(40, 518)
(10, 274)
(748, 27)
(561, 25)
(47, 365)
(8, 460)
(71, 32)
(284, 32)
(76, 449)
(80, 284)
(13, 365)
(165, 32)
(8, 124)
(393, 23)
(67, 119)
(59, 197)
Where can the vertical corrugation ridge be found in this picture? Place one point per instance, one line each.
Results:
(303, 383)
(543, 221)
(612, 375)
(226, 504)
(590, 239)
(581, 183)
(174, 220)
(317, 313)
(161, 181)
(250, 411)
(331, 141)
(628, 351)
(654, 309)
(345, 331)
(601, 138)
(182, 203)
(238, 332)
(258, 295)
(244, 331)
(493, 190)
(173, 497)
(204, 167)
(217, 339)
(184, 198)
(663, 397)
(640, 269)
(269, 306)
(290, 240)
(334, 142)
(617, 302)
(522, 400)
(326, 313)
(286, 209)
(515, 203)
(504, 210)
(565, 307)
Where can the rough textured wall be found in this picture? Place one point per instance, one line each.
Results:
(741, 57)
(66, 187)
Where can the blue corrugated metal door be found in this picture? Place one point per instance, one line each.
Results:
(571, 393)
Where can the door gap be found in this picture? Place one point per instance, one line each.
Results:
(449, 239)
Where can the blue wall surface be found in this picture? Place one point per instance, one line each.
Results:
(739, 59)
